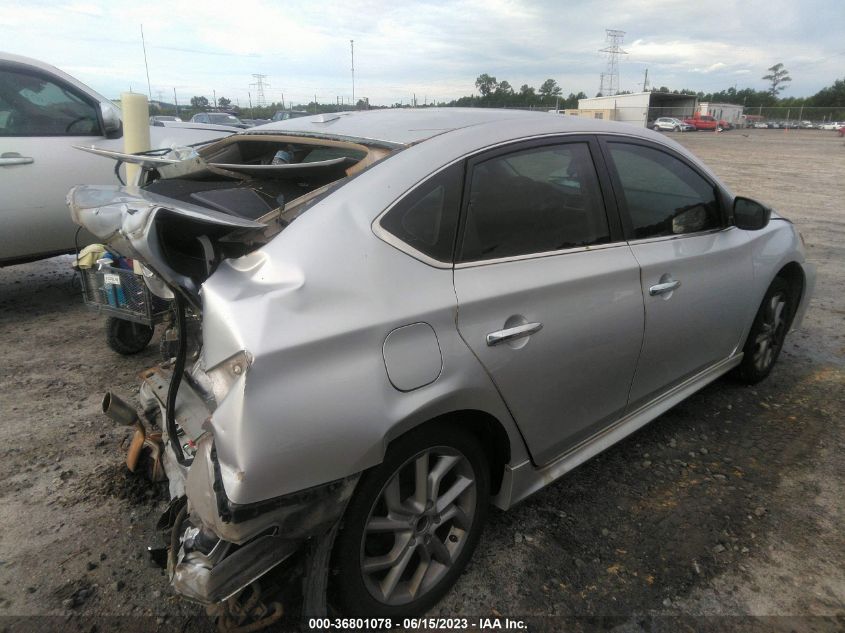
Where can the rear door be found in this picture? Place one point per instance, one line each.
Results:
(696, 269)
(548, 291)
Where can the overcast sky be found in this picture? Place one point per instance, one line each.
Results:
(433, 49)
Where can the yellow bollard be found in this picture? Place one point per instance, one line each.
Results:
(136, 129)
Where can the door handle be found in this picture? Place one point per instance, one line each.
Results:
(511, 333)
(13, 158)
(663, 288)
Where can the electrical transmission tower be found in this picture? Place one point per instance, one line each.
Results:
(610, 78)
(259, 85)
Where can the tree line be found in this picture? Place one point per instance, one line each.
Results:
(501, 94)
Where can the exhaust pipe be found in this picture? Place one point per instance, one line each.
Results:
(119, 410)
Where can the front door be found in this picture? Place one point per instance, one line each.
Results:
(696, 271)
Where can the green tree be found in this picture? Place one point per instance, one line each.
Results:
(486, 84)
(504, 88)
(830, 97)
(223, 102)
(527, 93)
(199, 102)
(549, 89)
(778, 75)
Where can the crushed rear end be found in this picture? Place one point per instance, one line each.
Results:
(192, 211)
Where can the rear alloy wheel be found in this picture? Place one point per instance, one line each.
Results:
(765, 340)
(412, 525)
(656, 128)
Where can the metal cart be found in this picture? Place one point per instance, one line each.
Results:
(132, 310)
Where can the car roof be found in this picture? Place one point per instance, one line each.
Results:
(409, 126)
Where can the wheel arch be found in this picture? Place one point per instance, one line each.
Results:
(486, 428)
(793, 274)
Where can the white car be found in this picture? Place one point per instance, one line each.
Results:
(670, 124)
(832, 125)
(44, 112)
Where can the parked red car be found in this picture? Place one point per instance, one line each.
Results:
(706, 122)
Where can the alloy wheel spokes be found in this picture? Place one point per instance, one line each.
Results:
(417, 526)
(771, 334)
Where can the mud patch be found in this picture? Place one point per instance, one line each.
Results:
(116, 481)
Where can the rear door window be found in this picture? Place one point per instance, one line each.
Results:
(537, 200)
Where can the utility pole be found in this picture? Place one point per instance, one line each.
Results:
(352, 52)
(175, 102)
(251, 111)
(144, 46)
(214, 92)
(645, 81)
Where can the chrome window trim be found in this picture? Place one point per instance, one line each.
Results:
(524, 256)
(664, 238)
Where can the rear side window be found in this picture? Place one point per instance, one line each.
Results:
(663, 195)
(427, 218)
(534, 201)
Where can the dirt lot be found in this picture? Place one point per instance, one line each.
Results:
(729, 505)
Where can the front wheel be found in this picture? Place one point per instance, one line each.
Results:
(412, 525)
(677, 128)
(765, 340)
(656, 128)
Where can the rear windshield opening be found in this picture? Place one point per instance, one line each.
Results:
(253, 177)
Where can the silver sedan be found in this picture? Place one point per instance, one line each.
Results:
(388, 320)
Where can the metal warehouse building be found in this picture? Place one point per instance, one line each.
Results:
(637, 108)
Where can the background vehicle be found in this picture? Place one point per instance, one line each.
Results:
(707, 122)
(44, 112)
(670, 124)
(218, 118)
(494, 298)
(161, 118)
(284, 115)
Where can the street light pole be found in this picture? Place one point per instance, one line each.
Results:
(352, 52)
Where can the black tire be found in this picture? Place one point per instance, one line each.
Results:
(656, 128)
(352, 592)
(765, 339)
(677, 128)
(127, 337)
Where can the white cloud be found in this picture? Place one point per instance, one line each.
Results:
(434, 48)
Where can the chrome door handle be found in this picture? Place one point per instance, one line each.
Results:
(511, 333)
(663, 288)
(13, 158)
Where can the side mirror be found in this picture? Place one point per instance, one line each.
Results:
(112, 125)
(750, 215)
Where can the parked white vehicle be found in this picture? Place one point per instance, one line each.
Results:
(44, 112)
(671, 124)
(832, 125)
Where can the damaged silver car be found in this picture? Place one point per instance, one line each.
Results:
(387, 320)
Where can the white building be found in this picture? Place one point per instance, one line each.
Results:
(730, 112)
(641, 107)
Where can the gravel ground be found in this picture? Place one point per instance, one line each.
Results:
(724, 513)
